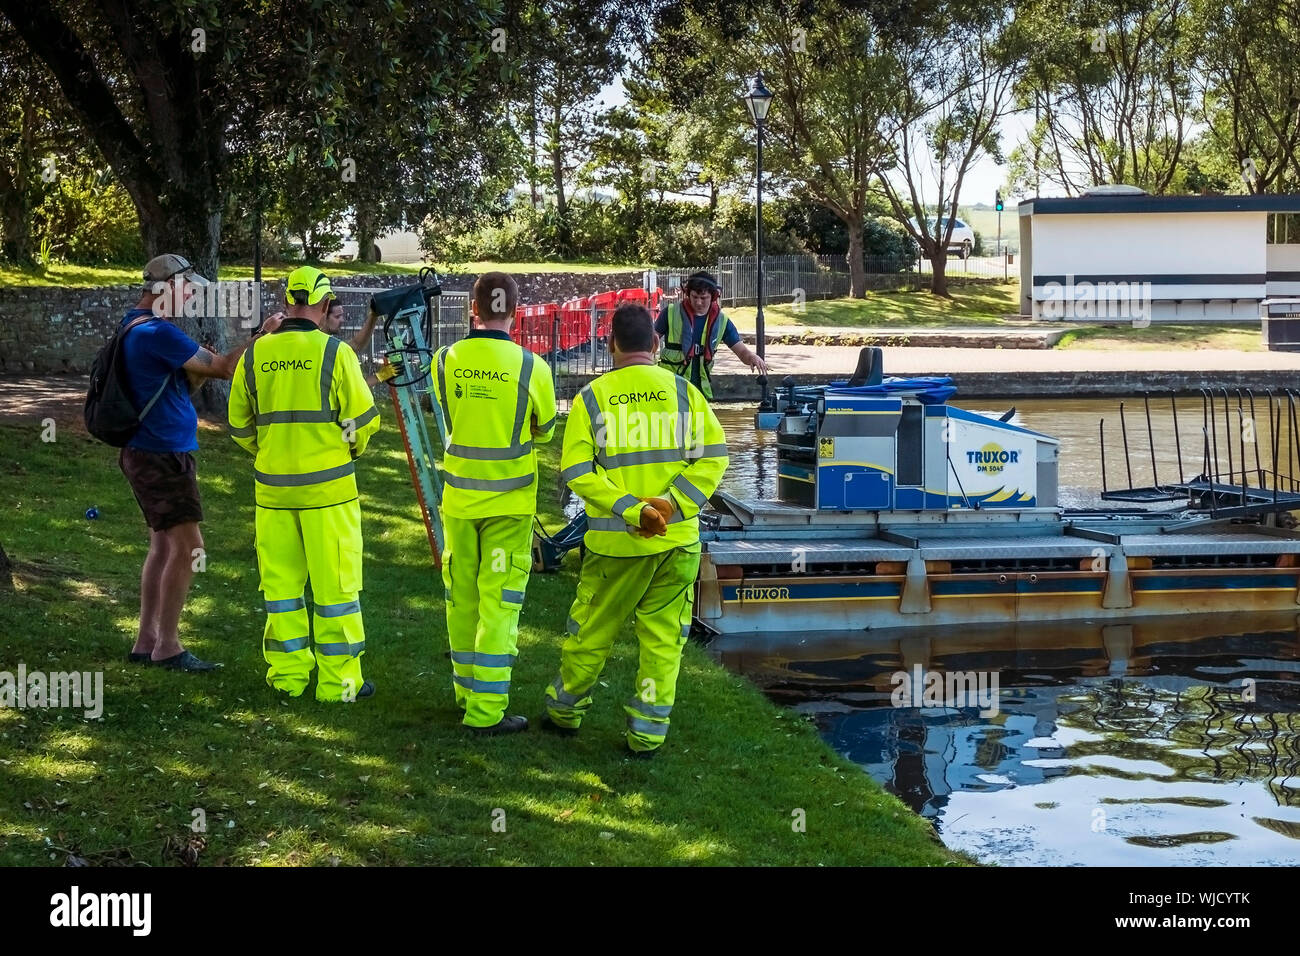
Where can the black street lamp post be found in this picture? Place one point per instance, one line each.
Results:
(758, 99)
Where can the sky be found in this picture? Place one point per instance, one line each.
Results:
(982, 180)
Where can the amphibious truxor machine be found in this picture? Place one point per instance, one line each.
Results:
(896, 509)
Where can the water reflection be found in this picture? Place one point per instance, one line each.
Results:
(1145, 743)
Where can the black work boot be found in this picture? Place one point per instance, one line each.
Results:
(509, 724)
(551, 727)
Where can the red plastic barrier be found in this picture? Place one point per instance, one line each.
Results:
(575, 321)
(534, 327)
(548, 327)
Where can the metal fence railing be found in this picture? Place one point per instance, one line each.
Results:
(804, 278)
(449, 323)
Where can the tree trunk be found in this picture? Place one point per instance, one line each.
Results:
(168, 157)
(365, 233)
(16, 227)
(532, 143)
(557, 174)
(6, 571)
(16, 193)
(857, 268)
(939, 274)
(189, 225)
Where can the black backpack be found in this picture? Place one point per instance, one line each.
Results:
(110, 414)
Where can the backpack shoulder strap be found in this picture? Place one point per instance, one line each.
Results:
(166, 378)
(156, 395)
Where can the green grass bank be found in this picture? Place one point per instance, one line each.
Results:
(391, 780)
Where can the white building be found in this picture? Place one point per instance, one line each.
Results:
(1118, 253)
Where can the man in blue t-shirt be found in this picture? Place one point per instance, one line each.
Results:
(689, 348)
(158, 462)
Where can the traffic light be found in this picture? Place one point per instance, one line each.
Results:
(997, 201)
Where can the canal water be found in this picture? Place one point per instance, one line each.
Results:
(1173, 742)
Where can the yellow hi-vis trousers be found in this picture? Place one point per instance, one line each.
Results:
(485, 565)
(658, 591)
(323, 544)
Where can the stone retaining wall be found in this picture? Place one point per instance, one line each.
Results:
(50, 329)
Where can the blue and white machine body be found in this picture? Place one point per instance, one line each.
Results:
(896, 445)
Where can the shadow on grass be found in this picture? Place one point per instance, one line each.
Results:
(393, 779)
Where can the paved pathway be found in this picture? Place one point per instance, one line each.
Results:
(31, 398)
(834, 359)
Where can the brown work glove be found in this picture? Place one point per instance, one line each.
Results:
(652, 522)
(385, 371)
(664, 506)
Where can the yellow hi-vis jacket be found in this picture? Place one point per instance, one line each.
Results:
(641, 432)
(497, 399)
(299, 402)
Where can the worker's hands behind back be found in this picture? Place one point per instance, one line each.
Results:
(664, 506)
(654, 520)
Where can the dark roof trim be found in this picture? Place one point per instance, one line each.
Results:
(1136, 204)
(1191, 278)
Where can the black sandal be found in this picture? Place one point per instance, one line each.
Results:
(185, 661)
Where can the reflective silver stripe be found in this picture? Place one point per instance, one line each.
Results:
(286, 604)
(313, 416)
(289, 646)
(690, 491)
(250, 379)
(248, 432)
(655, 457)
(707, 451)
(577, 471)
(606, 524)
(327, 372)
(593, 409)
(683, 413)
(649, 728)
(521, 401)
(364, 418)
(514, 597)
(571, 626)
(483, 660)
(686, 630)
(482, 686)
(487, 484)
(475, 453)
(627, 501)
(563, 696)
(650, 710)
(547, 426)
(342, 649)
(307, 478)
(338, 610)
(442, 389)
(597, 420)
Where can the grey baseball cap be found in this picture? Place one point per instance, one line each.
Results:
(169, 265)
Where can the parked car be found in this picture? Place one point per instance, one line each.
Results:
(962, 240)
